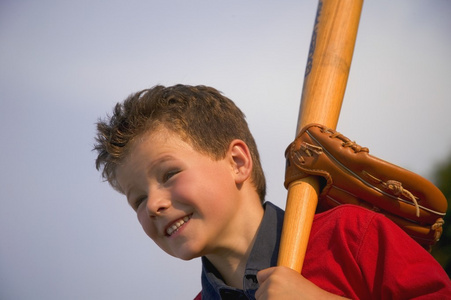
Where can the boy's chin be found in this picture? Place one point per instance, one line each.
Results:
(184, 255)
(188, 258)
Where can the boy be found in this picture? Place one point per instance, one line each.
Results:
(189, 166)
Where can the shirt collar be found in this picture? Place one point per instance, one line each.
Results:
(263, 255)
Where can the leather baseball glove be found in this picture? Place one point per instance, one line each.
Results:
(350, 175)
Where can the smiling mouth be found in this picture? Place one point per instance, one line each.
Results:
(176, 226)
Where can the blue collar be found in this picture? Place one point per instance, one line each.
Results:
(263, 255)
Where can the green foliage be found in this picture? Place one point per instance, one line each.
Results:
(442, 250)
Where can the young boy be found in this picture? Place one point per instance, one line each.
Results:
(189, 166)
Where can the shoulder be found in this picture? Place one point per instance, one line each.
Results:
(345, 210)
(359, 226)
(359, 230)
(371, 252)
(348, 216)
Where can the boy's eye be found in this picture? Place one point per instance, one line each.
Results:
(138, 202)
(169, 174)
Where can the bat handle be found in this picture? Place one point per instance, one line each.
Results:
(302, 200)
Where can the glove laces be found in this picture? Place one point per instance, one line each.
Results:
(397, 189)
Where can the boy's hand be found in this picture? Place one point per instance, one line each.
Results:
(285, 283)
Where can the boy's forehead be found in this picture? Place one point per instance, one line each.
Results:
(161, 133)
(150, 145)
(156, 140)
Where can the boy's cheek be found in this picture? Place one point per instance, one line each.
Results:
(146, 223)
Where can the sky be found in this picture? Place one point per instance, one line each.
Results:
(65, 234)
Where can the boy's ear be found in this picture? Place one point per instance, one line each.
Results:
(241, 160)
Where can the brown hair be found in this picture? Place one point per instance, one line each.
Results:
(201, 115)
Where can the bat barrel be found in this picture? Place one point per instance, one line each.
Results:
(326, 76)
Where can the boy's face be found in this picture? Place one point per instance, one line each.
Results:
(185, 200)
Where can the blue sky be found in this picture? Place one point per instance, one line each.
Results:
(63, 64)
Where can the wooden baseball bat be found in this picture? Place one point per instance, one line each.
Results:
(326, 75)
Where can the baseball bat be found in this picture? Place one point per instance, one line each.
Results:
(326, 75)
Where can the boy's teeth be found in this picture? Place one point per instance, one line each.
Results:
(177, 225)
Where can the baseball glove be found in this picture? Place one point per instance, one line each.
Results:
(350, 175)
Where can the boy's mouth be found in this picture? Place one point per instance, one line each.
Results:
(177, 224)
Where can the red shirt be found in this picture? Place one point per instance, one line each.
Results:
(352, 252)
(360, 254)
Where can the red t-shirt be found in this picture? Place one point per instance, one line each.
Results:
(359, 254)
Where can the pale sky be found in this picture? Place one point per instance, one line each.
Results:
(65, 234)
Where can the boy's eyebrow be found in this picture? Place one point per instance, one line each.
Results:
(159, 160)
(149, 168)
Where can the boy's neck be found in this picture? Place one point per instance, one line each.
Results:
(231, 261)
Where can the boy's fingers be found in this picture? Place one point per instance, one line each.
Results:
(264, 274)
(277, 283)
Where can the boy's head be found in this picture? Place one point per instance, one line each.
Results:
(198, 114)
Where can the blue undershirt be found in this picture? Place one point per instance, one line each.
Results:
(263, 255)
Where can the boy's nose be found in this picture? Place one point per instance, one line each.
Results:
(157, 204)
